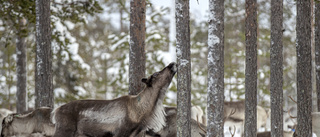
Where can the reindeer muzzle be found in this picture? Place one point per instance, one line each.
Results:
(173, 67)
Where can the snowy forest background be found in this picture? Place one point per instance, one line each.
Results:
(91, 50)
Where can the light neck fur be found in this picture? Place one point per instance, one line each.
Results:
(149, 102)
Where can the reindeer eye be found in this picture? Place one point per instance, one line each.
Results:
(155, 74)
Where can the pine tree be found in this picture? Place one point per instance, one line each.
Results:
(137, 60)
(251, 69)
(21, 50)
(317, 50)
(304, 67)
(43, 73)
(184, 68)
(215, 69)
(276, 69)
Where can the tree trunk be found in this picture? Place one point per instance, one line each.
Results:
(184, 68)
(251, 69)
(304, 67)
(137, 53)
(215, 96)
(43, 74)
(317, 50)
(21, 51)
(276, 70)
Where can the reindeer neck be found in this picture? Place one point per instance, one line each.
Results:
(148, 97)
(149, 104)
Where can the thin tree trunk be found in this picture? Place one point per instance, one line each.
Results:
(317, 50)
(276, 70)
(137, 53)
(215, 96)
(251, 69)
(43, 74)
(9, 77)
(184, 68)
(21, 51)
(304, 67)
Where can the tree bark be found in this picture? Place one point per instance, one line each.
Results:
(137, 43)
(276, 70)
(317, 50)
(215, 96)
(251, 69)
(304, 67)
(21, 51)
(184, 68)
(43, 74)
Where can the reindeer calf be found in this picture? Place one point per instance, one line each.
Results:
(33, 124)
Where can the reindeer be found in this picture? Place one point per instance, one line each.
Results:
(3, 113)
(34, 124)
(315, 123)
(170, 130)
(239, 115)
(125, 116)
(315, 120)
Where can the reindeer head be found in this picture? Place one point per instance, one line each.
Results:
(6, 124)
(162, 78)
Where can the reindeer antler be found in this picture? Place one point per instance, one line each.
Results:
(234, 131)
(201, 127)
(292, 99)
(290, 114)
(231, 113)
(289, 109)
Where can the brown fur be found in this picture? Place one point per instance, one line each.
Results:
(121, 117)
(32, 124)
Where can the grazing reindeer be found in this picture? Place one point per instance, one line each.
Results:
(3, 113)
(126, 116)
(34, 124)
(239, 115)
(170, 130)
(315, 120)
(315, 123)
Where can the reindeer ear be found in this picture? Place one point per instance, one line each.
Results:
(144, 80)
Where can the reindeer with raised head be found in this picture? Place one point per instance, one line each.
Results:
(125, 116)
